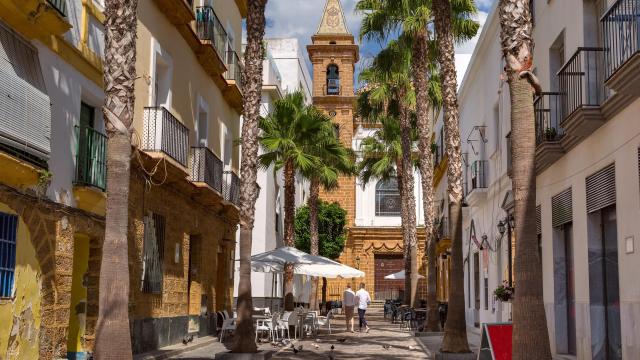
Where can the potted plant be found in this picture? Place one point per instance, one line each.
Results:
(504, 292)
(550, 133)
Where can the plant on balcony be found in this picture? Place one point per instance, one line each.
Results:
(504, 292)
(550, 133)
(44, 179)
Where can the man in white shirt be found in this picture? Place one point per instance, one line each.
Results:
(349, 302)
(363, 300)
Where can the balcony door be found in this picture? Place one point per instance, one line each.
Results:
(202, 129)
(85, 151)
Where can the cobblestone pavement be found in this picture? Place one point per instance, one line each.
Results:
(356, 345)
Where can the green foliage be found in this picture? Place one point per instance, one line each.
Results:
(331, 222)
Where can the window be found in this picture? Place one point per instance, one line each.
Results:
(387, 198)
(8, 231)
(153, 253)
(333, 80)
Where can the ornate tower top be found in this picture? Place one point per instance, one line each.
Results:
(333, 21)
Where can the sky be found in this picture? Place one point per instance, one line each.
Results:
(300, 18)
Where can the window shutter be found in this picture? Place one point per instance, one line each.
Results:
(538, 220)
(601, 189)
(562, 208)
(8, 231)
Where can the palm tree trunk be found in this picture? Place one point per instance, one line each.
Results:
(455, 330)
(249, 190)
(409, 207)
(406, 250)
(314, 194)
(530, 336)
(289, 214)
(425, 128)
(113, 339)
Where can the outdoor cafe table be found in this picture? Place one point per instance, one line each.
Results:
(302, 316)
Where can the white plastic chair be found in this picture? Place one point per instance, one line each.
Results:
(269, 325)
(227, 325)
(310, 323)
(288, 319)
(325, 320)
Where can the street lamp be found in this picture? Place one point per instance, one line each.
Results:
(357, 262)
(512, 221)
(501, 227)
(508, 224)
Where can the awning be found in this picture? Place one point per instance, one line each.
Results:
(304, 264)
(399, 276)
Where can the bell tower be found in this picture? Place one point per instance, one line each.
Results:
(334, 53)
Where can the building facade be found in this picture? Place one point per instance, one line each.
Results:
(374, 237)
(284, 71)
(184, 184)
(587, 164)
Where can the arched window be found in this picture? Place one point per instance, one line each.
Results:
(387, 198)
(333, 80)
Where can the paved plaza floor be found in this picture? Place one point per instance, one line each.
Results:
(384, 341)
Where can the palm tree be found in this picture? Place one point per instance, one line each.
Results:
(455, 331)
(252, 91)
(530, 336)
(113, 340)
(393, 92)
(334, 160)
(287, 134)
(413, 19)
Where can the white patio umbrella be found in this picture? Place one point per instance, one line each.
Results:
(399, 276)
(304, 264)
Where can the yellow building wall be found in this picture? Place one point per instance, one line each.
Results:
(20, 316)
(78, 308)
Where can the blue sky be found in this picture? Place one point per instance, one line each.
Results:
(300, 18)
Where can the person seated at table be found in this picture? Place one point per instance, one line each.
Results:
(349, 303)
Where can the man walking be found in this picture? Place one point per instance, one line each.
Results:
(349, 302)
(363, 300)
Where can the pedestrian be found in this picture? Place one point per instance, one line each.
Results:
(363, 300)
(349, 303)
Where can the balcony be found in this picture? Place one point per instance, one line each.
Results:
(479, 182)
(621, 28)
(583, 91)
(231, 188)
(91, 158)
(332, 89)
(233, 77)
(36, 18)
(443, 228)
(206, 168)
(212, 42)
(177, 11)
(547, 110)
(90, 181)
(165, 139)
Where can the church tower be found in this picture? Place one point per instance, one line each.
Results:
(334, 53)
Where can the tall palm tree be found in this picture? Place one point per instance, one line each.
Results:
(413, 19)
(113, 340)
(393, 92)
(287, 135)
(333, 160)
(530, 336)
(249, 191)
(455, 331)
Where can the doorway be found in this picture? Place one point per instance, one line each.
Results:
(386, 264)
(604, 289)
(194, 287)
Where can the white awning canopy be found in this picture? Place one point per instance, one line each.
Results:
(304, 264)
(399, 276)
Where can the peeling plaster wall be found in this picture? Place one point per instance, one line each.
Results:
(20, 315)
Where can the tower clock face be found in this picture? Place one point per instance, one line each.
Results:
(333, 20)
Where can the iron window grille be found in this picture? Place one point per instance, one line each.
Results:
(8, 232)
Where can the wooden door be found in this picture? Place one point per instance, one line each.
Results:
(386, 264)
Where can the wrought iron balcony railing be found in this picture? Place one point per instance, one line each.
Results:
(479, 172)
(164, 133)
(206, 167)
(231, 187)
(60, 6)
(209, 28)
(582, 81)
(91, 157)
(443, 228)
(234, 67)
(548, 115)
(332, 89)
(621, 29)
